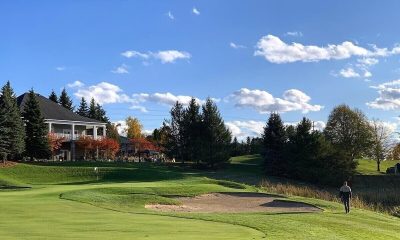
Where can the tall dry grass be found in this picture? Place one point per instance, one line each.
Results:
(385, 200)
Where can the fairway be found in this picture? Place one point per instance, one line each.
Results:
(69, 201)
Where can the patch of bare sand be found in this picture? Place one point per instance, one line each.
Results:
(234, 203)
(7, 164)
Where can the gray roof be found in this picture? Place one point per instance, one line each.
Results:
(52, 110)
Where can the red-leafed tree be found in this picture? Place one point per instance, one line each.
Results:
(88, 144)
(55, 143)
(109, 147)
(141, 144)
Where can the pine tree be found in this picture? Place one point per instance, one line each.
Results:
(4, 136)
(191, 131)
(274, 141)
(53, 96)
(83, 109)
(100, 114)
(216, 137)
(176, 130)
(65, 100)
(13, 122)
(37, 144)
(92, 109)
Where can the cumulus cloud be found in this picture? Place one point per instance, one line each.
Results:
(264, 102)
(294, 34)
(123, 69)
(103, 93)
(367, 61)
(167, 56)
(349, 73)
(75, 84)
(195, 11)
(242, 129)
(236, 46)
(164, 98)
(389, 96)
(274, 50)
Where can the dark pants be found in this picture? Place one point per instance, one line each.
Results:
(346, 202)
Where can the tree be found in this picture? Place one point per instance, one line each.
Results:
(13, 123)
(191, 131)
(176, 131)
(216, 137)
(133, 128)
(112, 131)
(4, 136)
(141, 144)
(101, 114)
(55, 143)
(349, 130)
(92, 109)
(53, 96)
(89, 146)
(381, 141)
(235, 147)
(83, 109)
(109, 147)
(65, 100)
(274, 141)
(37, 144)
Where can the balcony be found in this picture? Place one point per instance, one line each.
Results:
(68, 137)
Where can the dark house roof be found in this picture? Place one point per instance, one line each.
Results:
(51, 110)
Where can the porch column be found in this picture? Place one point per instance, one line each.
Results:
(95, 132)
(50, 127)
(104, 131)
(73, 143)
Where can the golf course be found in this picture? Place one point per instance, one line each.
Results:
(73, 201)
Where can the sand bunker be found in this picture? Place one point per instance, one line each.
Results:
(234, 203)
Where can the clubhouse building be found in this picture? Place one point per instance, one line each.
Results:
(66, 124)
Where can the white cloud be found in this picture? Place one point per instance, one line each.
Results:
(170, 56)
(367, 74)
(294, 34)
(274, 50)
(236, 46)
(76, 84)
(167, 98)
(170, 15)
(60, 68)
(264, 102)
(167, 56)
(123, 69)
(242, 129)
(389, 96)
(195, 11)
(103, 93)
(349, 73)
(368, 61)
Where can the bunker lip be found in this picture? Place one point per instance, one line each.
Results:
(234, 203)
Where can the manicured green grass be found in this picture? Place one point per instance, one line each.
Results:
(70, 201)
(369, 167)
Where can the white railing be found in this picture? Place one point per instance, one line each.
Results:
(68, 137)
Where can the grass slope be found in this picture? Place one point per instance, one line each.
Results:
(70, 201)
(368, 167)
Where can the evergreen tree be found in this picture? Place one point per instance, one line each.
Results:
(53, 96)
(65, 100)
(12, 121)
(274, 139)
(92, 109)
(37, 144)
(83, 109)
(175, 144)
(100, 114)
(191, 131)
(248, 145)
(4, 136)
(216, 137)
(112, 131)
(235, 147)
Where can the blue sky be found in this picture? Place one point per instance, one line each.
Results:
(253, 57)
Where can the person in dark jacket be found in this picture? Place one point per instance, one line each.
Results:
(345, 195)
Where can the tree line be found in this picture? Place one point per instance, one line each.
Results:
(195, 133)
(325, 157)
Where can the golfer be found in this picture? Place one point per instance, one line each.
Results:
(345, 195)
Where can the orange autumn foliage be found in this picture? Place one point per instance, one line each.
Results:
(55, 142)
